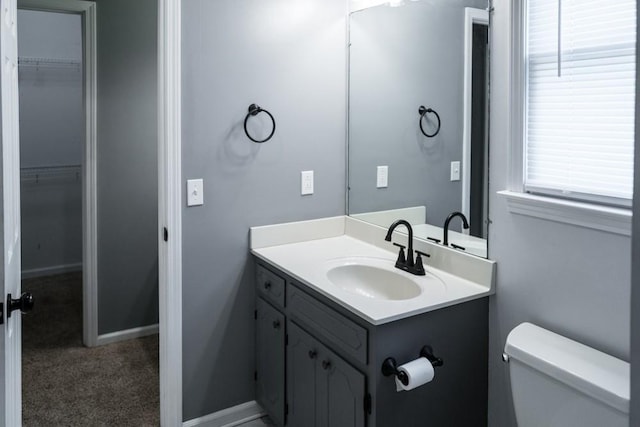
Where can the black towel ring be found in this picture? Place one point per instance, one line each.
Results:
(254, 110)
(423, 112)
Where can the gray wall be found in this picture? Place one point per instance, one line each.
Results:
(51, 104)
(51, 134)
(51, 222)
(574, 281)
(127, 164)
(401, 58)
(635, 255)
(289, 56)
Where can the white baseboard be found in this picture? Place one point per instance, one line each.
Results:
(230, 417)
(50, 271)
(127, 334)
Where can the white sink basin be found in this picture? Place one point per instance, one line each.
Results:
(377, 278)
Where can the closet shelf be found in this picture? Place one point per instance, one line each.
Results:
(49, 62)
(39, 174)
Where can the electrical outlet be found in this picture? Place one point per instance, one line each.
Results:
(382, 180)
(455, 171)
(306, 182)
(195, 192)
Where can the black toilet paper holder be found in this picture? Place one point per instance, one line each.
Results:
(390, 366)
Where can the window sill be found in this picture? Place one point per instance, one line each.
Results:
(598, 217)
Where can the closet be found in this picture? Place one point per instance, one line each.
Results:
(52, 136)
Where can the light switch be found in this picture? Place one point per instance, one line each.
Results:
(455, 171)
(306, 182)
(382, 180)
(195, 192)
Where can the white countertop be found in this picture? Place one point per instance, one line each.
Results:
(307, 262)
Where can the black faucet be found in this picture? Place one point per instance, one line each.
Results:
(452, 215)
(407, 264)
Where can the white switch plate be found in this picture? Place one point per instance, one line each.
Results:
(455, 171)
(195, 192)
(382, 180)
(306, 182)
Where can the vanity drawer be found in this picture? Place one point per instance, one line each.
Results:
(328, 324)
(270, 285)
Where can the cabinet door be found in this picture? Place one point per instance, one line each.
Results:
(270, 352)
(302, 356)
(340, 392)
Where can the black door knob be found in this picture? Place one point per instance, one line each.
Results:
(24, 303)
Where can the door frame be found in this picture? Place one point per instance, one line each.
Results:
(169, 191)
(170, 209)
(471, 16)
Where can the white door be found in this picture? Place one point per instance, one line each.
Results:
(10, 331)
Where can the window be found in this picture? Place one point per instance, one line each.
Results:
(580, 99)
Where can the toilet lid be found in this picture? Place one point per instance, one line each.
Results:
(593, 372)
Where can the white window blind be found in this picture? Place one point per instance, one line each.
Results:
(580, 91)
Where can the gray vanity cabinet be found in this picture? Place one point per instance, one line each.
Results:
(302, 358)
(319, 365)
(270, 369)
(323, 389)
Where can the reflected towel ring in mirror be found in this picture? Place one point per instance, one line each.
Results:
(423, 112)
(254, 110)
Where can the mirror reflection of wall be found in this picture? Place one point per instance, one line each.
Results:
(478, 161)
(420, 53)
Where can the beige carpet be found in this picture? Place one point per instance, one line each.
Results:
(67, 384)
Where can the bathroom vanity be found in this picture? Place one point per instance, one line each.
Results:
(330, 305)
(320, 347)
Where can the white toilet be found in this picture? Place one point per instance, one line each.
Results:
(558, 382)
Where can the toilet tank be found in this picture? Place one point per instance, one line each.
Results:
(558, 382)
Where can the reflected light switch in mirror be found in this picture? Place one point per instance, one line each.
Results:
(382, 180)
(455, 171)
(195, 192)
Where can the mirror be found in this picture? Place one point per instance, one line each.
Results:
(418, 117)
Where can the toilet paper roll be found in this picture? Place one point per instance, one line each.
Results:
(418, 372)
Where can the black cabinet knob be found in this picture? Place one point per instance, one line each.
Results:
(326, 364)
(267, 285)
(276, 324)
(24, 303)
(313, 354)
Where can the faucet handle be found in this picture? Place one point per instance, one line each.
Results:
(433, 239)
(422, 253)
(401, 258)
(418, 268)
